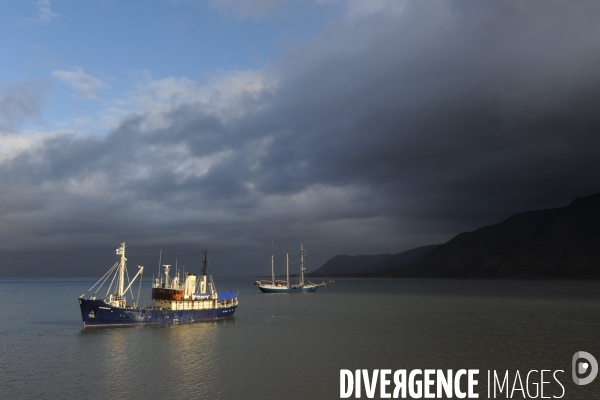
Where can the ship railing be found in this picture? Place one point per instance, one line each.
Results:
(227, 303)
(278, 283)
(167, 286)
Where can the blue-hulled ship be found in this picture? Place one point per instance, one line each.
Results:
(173, 301)
(281, 286)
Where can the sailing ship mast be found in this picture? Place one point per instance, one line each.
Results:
(272, 264)
(287, 265)
(302, 252)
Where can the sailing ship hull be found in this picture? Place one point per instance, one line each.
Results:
(305, 289)
(98, 313)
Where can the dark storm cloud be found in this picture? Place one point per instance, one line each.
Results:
(449, 108)
(389, 130)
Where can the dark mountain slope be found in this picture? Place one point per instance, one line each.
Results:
(562, 243)
(369, 266)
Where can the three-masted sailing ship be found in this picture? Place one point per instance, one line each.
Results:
(281, 286)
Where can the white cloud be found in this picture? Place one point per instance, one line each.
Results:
(85, 85)
(44, 15)
(13, 145)
(44, 12)
(226, 95)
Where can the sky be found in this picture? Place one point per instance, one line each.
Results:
(350, 126)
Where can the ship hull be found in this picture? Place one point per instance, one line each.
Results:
(305, 289)
(98, 313)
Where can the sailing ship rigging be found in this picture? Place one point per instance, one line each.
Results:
(280, 286)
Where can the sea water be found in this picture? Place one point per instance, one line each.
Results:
(293, 346)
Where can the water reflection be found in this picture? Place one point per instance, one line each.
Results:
(156, 360)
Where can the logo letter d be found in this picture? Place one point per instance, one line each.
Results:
(583, 368)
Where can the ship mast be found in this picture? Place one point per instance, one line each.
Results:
(302, 252)
(272, 264)
(121, 283)
(287, 265)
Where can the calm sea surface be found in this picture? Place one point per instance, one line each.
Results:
(292, 346)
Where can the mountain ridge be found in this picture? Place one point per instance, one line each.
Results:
(557, 243)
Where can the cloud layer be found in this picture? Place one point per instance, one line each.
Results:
(398, 126)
